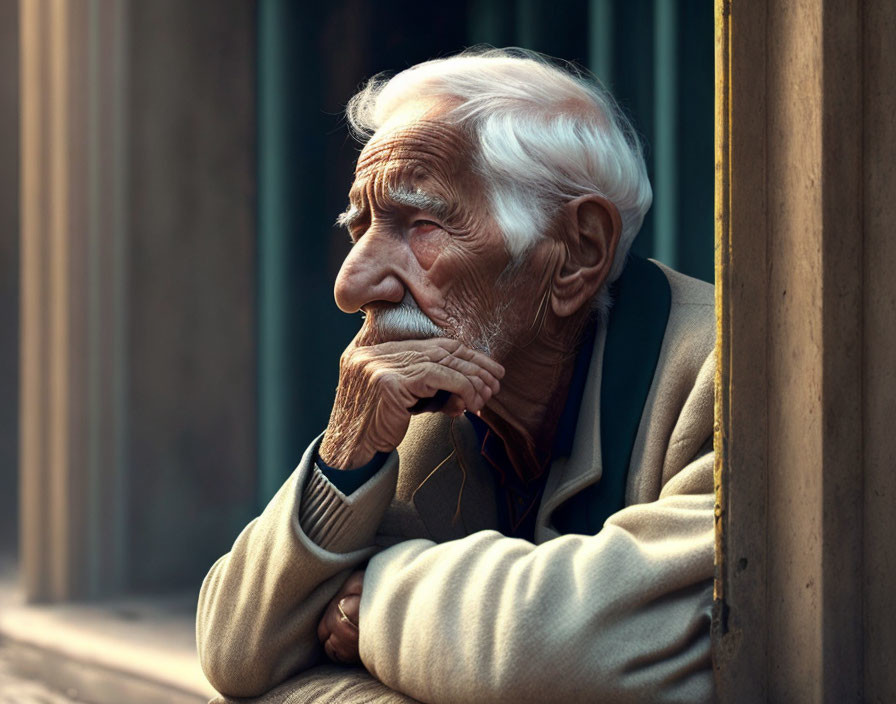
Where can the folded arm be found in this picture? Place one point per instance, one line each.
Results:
(260, 604)
(622, 616)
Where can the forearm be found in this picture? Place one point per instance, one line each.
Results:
(260, 604)
(621, 616)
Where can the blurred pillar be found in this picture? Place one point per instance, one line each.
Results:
(292, 247)
(694, 140)
(9, 275)
(488, 22)
(601, 40)
(633, 86)
(665, 136)
(191, 282)
(73, 187)
(304, 171)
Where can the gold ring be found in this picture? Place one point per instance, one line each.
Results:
(344, 616)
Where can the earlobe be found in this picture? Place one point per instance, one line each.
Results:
(591, 234)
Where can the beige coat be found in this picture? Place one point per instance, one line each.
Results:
(455, 612)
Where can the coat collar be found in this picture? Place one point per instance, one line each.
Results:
(619, 382)
(623, 362)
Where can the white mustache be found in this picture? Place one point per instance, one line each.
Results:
(403, 320)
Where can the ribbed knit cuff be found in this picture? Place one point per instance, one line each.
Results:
(349, 480)
(339, 523)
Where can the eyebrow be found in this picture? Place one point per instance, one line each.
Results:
(417, 199)
(420, 200)
(349, 216)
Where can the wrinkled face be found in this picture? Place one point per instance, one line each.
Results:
(422, 235)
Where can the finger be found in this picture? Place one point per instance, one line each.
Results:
(404, 377)
(323, 630)
(398, 346)
(330, 621)
(480, 359)
(353, 584)
(470, 363)
(454, 406)
(472, 370)
(404, 355)
(437, 376)
(342, 649)
(331, 653)
(471, 389)
(345, 639)
(447, 344)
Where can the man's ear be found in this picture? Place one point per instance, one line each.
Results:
(590, 229)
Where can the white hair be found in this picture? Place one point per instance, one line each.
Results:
(543, 136)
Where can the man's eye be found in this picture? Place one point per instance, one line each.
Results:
(424, 226)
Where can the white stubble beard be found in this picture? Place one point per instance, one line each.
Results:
(406, 321)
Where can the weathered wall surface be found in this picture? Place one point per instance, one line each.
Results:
(806, 154)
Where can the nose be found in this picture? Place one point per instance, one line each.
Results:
(371, 272)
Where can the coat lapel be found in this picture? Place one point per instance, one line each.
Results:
(450, 487)
(591, 483)
(583, 467)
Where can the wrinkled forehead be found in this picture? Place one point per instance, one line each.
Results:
(410, 153)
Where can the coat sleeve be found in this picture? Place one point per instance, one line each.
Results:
(260, 604)
(621, 616)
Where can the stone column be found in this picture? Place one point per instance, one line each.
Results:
(138, 356)
(806, 382)
(73, 296)
(9, 274)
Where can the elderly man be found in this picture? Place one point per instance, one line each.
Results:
(513, 499)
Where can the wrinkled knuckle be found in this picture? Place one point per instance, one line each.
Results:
(385, 379)
(350, 358)
(408, 357)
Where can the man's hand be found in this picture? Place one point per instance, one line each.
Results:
(380, 384)
(338, 629)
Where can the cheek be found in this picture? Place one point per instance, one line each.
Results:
(428, 247)
(458, 270)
